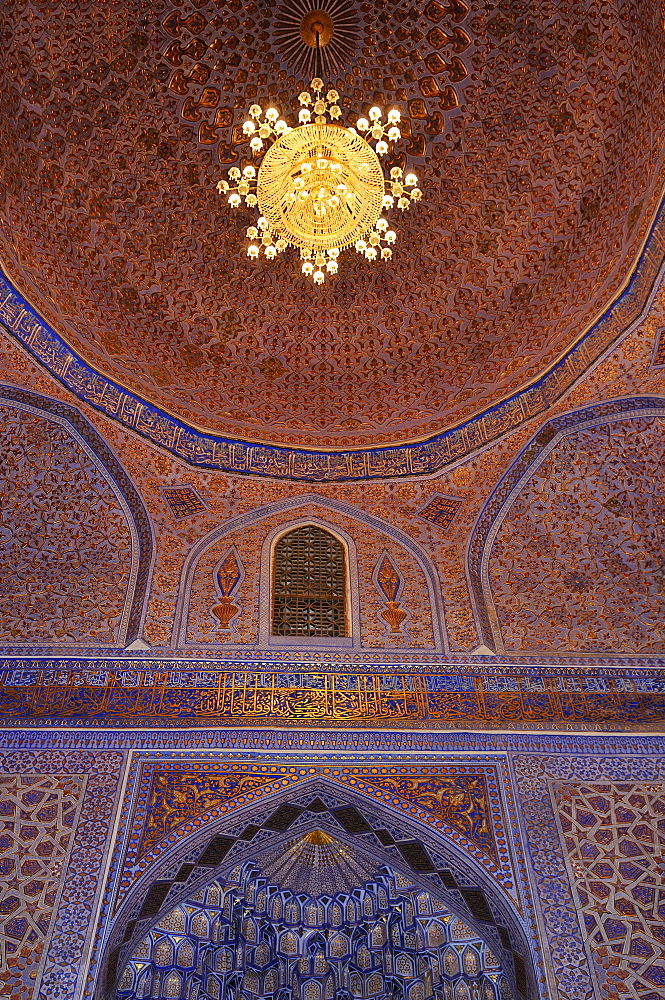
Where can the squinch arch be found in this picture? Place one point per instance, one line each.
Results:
(76, 452)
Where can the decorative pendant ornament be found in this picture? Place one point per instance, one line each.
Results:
(320, 186)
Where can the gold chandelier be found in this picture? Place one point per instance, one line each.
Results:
(320, 186)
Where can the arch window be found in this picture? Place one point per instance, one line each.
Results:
(309, 584)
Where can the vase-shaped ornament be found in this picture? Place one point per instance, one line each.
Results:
(394, 615)
(225, 611)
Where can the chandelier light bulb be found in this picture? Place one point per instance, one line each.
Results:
(320, 187)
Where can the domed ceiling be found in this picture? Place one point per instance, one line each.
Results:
(536, 129)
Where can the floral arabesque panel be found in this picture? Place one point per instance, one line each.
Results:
(66, 546)
(579, 561)
(614, 834)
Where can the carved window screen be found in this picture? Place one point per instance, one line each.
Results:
(309, 584)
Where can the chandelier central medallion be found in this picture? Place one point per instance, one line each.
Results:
(320, 186)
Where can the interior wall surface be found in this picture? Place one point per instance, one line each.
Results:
(561, 835)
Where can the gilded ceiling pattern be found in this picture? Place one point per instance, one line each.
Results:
(66, 550)
(108, 186)
(579, 560)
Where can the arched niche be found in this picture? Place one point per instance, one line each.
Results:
(426, 862)
(254, 534)
(86, 523)
(565, 554)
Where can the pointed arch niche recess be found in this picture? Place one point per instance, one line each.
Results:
(292, 891)
(565, 553)
(93, 560)
(362, 536)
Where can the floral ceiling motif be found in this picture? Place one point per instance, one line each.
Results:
(537, 139)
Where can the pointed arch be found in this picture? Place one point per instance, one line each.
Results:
(289, 507)
(163, 875)
(135, 514)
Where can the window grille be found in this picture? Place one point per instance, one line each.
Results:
(309, 593)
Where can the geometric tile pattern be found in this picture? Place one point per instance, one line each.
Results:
(37, 819)
(441, 510)
(614, 834)
(184, 501)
